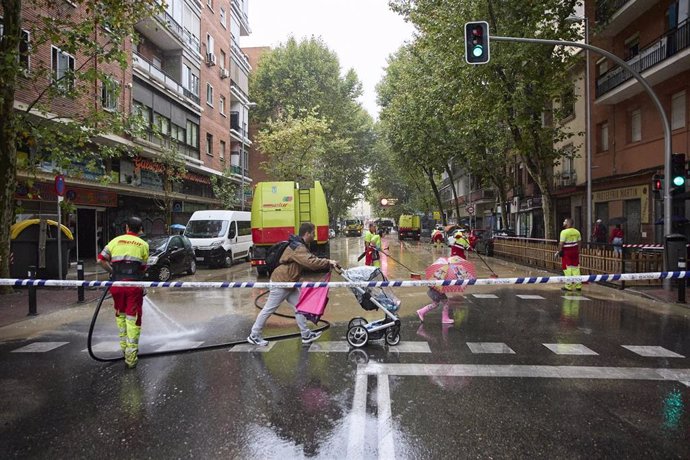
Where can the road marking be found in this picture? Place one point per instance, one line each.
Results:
(489, 347)
(244, 347)
(180, 345)
(39, 347)
(570, 349)
(358, 419)
(383, 402)
(522, 371)
(485, 296)
(106, 346)
(685, 382)
(652, 352)
(575, 297)
(344, 347)
(530, 297)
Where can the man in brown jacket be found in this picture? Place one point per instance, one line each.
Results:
(295, 258)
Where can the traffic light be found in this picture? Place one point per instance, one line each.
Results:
(657, 186)
(477, 42)
(678, 171)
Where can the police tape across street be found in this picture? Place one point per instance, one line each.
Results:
(349, 284)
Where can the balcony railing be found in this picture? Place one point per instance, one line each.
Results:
(564, 179)
(167, 142)
(169, 82)
(663, 48)
(182, 33)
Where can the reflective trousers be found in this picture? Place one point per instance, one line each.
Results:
(572, 271)
(128, 309)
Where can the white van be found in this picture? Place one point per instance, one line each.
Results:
(220, 237)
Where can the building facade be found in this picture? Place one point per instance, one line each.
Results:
(654, 38)
(185, 78)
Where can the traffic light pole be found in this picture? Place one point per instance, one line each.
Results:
(664, 119)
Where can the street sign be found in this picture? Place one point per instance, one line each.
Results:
(60, 185)
(437, 215)
(470, 209)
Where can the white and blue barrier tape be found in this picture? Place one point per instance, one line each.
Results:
(349, 284)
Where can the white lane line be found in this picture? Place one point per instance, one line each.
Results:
(530, 297)
(490, 347)
(248, 347)
(570, 349)
(39, 347)
(383, 402)
(652, 352)
(358, 419)
(412, 347)
(485, 296)
(512, 371)
(343, 347)
(575, 297)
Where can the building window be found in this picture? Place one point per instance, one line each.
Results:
(632, 46)
(603, 137)
(191, 80)
(221, 154)
(209, 144)
(210, 44)
(602, 66)
(221, 105)
(635, 126)
(110, 90)
(678, 110)
(209, 3)
(223, 20)
(209, 94)
(24, 48)
(177, 133)
(63, 69)
(192, 134)
(144, 113)
(568, 104)
(222, 59)
(162, 123)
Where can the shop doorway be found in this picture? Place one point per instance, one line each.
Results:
(631, 228)
(89, 237)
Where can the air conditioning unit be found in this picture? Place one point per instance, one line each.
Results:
(211, 59)
(224, 73)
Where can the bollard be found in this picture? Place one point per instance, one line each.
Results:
(80, 277)
(681, 282)
(32, 292)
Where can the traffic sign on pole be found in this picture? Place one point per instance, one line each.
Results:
(60, 185)
(470, 209)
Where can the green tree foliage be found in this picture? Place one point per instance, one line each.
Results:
(97, 33)
(226, 190)
(313, 126)
(513, 91)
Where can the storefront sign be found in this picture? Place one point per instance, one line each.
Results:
(77, 195)
(640, 192)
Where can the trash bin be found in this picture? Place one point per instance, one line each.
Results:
(26, 244)
(674, 248)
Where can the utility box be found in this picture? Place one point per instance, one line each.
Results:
(35, 243)
(675, 248)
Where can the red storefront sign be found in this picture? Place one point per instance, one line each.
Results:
(77, 195)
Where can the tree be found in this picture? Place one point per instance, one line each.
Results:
(92, 41)
(520, 83)
(310, 113)
(226, 190)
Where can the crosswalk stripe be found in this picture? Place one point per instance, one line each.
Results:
(244, 347)
(180, 345)
(39, 347)
(530, 297)
(569, 349)
(652, 351)
(575, 297)
(344, 347)
(490, 347)
(485, 296)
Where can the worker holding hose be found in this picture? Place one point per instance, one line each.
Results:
(125, 259)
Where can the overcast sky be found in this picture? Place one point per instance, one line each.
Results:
(363, 33)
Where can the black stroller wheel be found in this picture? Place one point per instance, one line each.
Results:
(358, 356)
(357, 336)
(358, 321)
(393, 336)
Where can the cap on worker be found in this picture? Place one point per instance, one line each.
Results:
(598, 221)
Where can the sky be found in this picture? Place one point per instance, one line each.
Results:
(363, 33)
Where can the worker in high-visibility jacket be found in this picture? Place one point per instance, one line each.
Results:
(125, 258)
(459, 245)
(369, 248)
(437, 237)
(569, 252)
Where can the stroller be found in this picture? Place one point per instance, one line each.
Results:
(359, 331)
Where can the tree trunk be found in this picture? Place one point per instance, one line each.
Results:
(449, 171)
(8, 124)
(430, 174)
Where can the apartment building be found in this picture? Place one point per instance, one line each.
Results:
(654, 38)
(187, 79)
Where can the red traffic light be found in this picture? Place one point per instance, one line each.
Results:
(477, 31)
(658, 185)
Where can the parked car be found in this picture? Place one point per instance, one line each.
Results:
(331, 233)
(169, 255)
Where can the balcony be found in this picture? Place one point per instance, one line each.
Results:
(239, 56)
(485, 195)
(615, 15)
(664, 58)
(241, 16)
(165, 81)
(564, 179)
(168, 143)
(162, 30)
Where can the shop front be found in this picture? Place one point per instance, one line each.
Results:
(628, 206)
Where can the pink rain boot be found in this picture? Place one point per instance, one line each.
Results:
(423, 311)
(445, 317)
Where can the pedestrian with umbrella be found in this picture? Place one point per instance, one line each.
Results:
(450, 268)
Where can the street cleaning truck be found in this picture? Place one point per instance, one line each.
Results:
(409, 226)
(278, 209)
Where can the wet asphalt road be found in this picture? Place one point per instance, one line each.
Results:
(541, 376)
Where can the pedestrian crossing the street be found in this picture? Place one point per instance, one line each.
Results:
(572, 349)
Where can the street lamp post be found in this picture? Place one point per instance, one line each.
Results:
(588, 132)
(245, 135)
